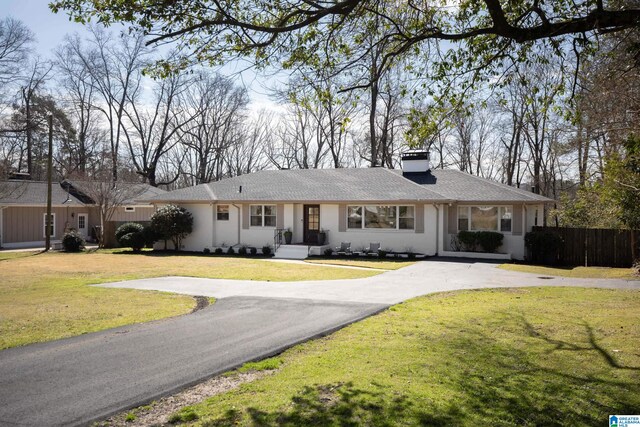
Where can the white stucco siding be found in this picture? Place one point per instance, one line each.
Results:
(532, 212)
(298, 222)
(226, 232)
(513, 243)
(392, 240)
(202, 235)
(257, 236)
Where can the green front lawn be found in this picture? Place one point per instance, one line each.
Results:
(576, 272)
(508, 357)
(46, 296)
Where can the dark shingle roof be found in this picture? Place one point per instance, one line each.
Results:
(34, 193)
(64, 193)
(464, 187)
(135, 191)
(353, 185)
(321, 185)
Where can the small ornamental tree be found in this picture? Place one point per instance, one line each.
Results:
(173, 223)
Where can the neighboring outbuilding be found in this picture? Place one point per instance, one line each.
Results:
(415, 209)
(23, 206)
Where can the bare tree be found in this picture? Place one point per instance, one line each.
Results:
(152, 131)
(38, 74)
(16, 40)
(79, 97)
(220, 107)
(248, 155)
(107, 195)
(114, 71)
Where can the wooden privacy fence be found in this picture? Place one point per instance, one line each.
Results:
(594, 246)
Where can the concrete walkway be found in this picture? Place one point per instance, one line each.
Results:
(387, 288)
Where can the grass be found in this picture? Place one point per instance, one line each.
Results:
(575, 272)
(508, 357)
(261, 365)
(366, 263)
(13, 255)
(46, 296)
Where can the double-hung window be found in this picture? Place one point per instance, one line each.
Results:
(387, 217)
(263, 215)
(49, 225)
(222, 212)
(485, 218)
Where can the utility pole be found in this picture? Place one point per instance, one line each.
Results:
(48, 222)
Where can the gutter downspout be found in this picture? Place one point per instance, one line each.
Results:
(214, 224)
(524, 229)
(239, 221)
(437, 228)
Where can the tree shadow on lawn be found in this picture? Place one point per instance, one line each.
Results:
(481, 380)
(339, 404)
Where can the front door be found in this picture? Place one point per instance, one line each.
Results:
(83, 225)
(311, 224)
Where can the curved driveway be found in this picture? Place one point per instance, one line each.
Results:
(388, 288)
(86, 378)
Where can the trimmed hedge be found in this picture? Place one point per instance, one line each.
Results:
(485, 241)
(544, 247)
(128, 228)
(135, 236)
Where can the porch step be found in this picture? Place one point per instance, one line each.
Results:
(292, 252)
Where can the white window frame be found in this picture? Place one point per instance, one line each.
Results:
(499, 224)
(44, 225)
(500, 211)
(228, 213)
(86, 220)
(363, 218)
(129, 208)
(262, 216)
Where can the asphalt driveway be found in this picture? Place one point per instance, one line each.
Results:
(78, 380)
(81, 379)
